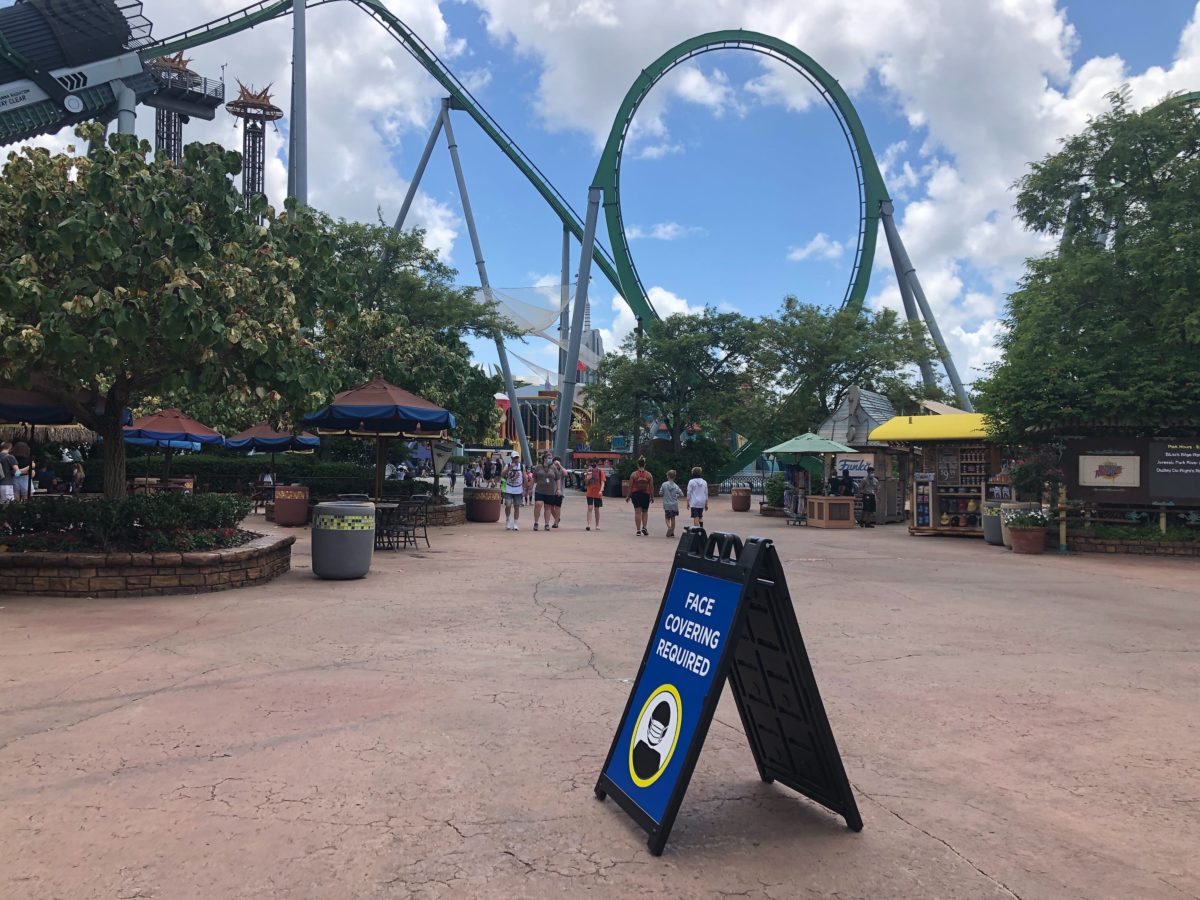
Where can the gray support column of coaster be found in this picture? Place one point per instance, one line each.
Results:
(509, 388)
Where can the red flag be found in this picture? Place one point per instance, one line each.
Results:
(579, 367)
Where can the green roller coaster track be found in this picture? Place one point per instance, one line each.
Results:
(871, 190)
(621, 270)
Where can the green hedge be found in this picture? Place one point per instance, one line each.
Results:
(217, 472)
(142, 522)
(1148, 532)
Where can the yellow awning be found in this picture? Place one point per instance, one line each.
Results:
(959, 427)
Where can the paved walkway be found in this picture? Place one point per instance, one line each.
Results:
(1012, 726)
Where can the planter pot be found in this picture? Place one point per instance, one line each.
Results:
(741, 499)
(1028, 540)
(482, 504)
(775, 512)
(1004, 529)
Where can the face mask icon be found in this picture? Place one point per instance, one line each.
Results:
(654, 736)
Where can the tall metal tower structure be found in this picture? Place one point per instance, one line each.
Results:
(255, 109)
(168, 123)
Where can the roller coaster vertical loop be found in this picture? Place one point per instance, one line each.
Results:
(871, 190)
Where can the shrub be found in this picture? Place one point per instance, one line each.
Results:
(1027, 518)
(142, 522)
(702, 452)
(774, 487)
(1140, 533)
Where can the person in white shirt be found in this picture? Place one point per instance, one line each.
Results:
(697, 494)
(514, 492)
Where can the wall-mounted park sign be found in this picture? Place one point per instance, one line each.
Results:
(726, 614)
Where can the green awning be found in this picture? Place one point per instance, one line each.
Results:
(809, 443)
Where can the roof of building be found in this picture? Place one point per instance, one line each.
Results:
(954, 427)
(859, 412)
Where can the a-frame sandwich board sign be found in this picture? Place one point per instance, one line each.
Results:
(726, 614)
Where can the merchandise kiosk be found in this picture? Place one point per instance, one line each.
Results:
(954, 471)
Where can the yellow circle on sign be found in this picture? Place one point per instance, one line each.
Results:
(633, 739)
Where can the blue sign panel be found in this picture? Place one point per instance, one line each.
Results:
(689, 640)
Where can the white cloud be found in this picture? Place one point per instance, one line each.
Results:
(663, 231)
(658, 151)
(353, 131)
(820, 247)
(624, 321)
(986, 87)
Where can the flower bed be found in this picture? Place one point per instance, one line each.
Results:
(145, 574)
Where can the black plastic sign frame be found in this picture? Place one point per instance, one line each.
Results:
(767, 667)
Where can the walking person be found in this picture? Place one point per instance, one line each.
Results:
(529, 490)
(593, 485)
(514, 492)
(671, 493)
(641, 495)
(545, 482)
(697, 495)
(560, 485)
(868, 489)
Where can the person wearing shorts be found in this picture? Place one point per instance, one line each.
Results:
(560, 485)
(641, 495)
(514, 491)
(8, 473)
(697, 494)
(671, 493)
(545, 489)
(593, 483)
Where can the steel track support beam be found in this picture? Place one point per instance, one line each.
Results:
(564, 318)
(509, 387)
(905, 271)
(411, 194)
(566, 402)
(126, 108)
(298, 121)
(911, 313)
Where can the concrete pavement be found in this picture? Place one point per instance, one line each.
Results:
(1013, 727)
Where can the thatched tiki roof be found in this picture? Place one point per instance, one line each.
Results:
(66, 435)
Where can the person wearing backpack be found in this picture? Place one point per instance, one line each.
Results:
(641, 495)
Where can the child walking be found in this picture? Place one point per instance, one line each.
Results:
(671, 492)
(697, 494)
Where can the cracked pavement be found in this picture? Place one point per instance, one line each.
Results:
(1012, 726)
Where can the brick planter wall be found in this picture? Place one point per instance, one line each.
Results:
(448, 514)
(145, 574)
(1084, 544)
(774, 512)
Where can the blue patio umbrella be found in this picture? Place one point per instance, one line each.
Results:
(265, 439)
(167, 428)
(381, 410)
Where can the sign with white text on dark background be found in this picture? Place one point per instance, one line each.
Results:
(690, 637)
(726, 615)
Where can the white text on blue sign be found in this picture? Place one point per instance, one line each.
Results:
(692, 631)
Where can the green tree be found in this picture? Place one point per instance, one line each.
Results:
(1107, 326)
(409, 324)
(402, 319)
(691, 371)
(124, 277)
(810, 356)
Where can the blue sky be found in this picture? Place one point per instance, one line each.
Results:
(738, 184)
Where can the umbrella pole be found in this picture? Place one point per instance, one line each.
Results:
(167, 454)
(380, 464)
(433, 465)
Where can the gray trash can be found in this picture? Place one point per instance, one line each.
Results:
(992, 523)
(343, 539)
